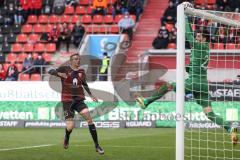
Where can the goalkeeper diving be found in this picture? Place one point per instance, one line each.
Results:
(197, 83)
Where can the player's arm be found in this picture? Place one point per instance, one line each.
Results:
(189, 32)
(85, 86)
(59, 72)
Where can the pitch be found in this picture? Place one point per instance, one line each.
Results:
(119, 144)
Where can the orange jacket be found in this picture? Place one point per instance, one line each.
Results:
(100, 3)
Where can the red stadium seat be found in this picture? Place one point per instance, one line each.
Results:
(84, 2)
(28, 47)
(114, 29)
(11, 57)
(24, 77)
(36, 77)
(16, 47)
(117, 18)
(199, 2)
(32, 19)
(19, 67)
(48, 28)
(38, 28)
(43, 19)
(22, 38)
(171, 46)
(69, 10)
(75, 18)
(218, 46)
(211, 2)
(39, 47)
(89, 9)
(21, 57)
(54, 19)
(92, 29)
(108, 19)
(97, 19)
(230, 46)
(50, 47)
(86, 19)
(27, 28)
(80, 10)
(33, 38)
(65, 19)
(103, 29)
(47, 57)
(5, 66)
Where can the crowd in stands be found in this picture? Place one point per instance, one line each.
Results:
(216, 33)
(15, 22)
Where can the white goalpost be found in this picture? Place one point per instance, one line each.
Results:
(198, 137)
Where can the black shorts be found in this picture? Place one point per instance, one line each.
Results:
(70, 107)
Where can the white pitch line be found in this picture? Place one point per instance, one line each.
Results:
(116, 146)
(26, 147)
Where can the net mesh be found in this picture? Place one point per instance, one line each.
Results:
(213, 81)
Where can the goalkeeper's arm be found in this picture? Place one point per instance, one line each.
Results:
(189, 32)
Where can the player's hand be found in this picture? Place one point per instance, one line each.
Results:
(94, 99)
(63, 75)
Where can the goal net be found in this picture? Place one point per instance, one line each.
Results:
(208, 85)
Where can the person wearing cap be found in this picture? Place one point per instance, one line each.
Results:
(126, 25)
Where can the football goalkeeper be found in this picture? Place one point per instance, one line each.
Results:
(197, 83)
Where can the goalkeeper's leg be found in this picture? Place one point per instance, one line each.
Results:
(157, 94)
(217, 119)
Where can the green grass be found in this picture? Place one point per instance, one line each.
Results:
(119, 144)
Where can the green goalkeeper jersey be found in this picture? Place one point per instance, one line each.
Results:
(199, 57)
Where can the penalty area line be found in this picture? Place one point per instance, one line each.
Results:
(26, 147)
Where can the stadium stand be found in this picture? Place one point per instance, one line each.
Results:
(20, 39)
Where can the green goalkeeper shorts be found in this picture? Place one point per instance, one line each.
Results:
(199, 89)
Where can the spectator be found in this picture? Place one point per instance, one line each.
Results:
(104, 68)
(25, 5)
(9, 17)
(161, 41)
(72, 3)
(234, 5)
(47, 7)
(232, 36)
(1, 3)
(65, 35)
(53, 35)
(126, 25)
(2, 73)
(223, 5)
(2, 58)
(58, 7)
(135, 7)
(99, 6)
(36, 6)
(77, 33)
(12, 73)
(39, 61)
(119, 7)
(18, 15)
(173, 36)
(169, 15)
(27, 64)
